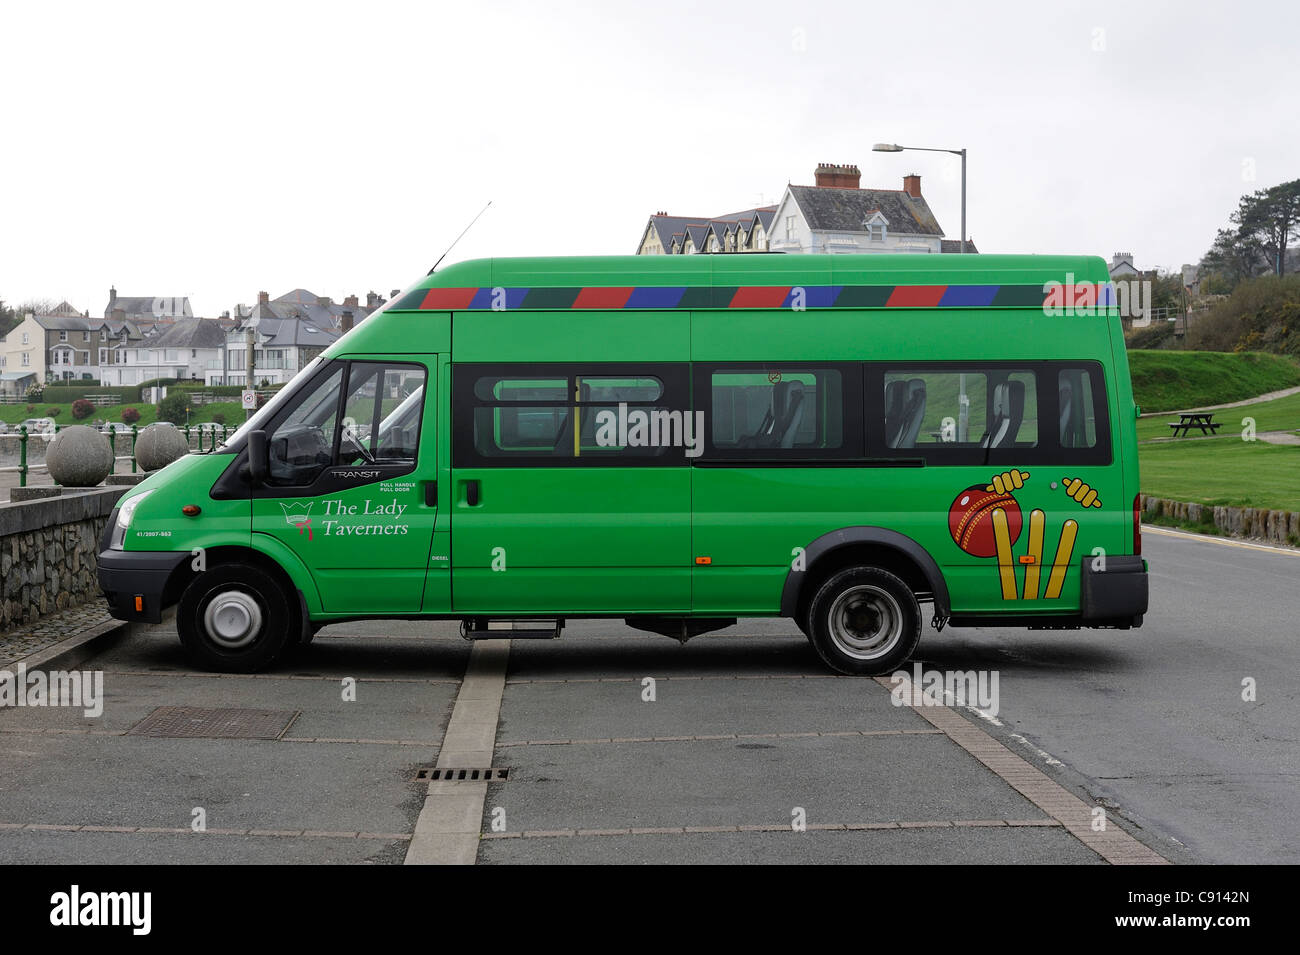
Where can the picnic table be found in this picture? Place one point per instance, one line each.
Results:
(1195, 419)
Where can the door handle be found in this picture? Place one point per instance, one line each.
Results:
(430, 493)
(471, 493)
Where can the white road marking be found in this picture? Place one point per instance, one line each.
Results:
(1210, 539)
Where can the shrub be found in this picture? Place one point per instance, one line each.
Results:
(52, 412)
(130, 415)
(218, 417)
(81, 408)
(31, 408)
(35, 390)
(174, 408)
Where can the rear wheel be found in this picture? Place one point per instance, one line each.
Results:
(864, 620)
(236, 619)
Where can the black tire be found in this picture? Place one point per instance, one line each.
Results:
(255, 610)
(864, 620)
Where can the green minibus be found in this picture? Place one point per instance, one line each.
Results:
(676, 442)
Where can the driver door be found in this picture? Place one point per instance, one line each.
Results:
(350, 469)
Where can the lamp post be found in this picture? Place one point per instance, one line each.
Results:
(895, 148)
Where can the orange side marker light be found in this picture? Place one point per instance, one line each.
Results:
(190, 510)
(703, 560)
(139, 603)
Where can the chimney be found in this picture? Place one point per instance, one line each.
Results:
(837, 177)
(345, 322)
(912, 185)
(112, 297)
(351, 301)
(263, 298)
(372, 300)
(322, 300)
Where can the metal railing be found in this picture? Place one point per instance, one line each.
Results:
(210, 429)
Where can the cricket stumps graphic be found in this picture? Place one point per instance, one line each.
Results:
(985, 521)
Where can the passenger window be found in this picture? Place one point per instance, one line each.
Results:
(982, 408)
(527, 416)
(1077, 411)
(780, 411)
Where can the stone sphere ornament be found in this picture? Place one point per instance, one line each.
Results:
(159, 445)
(79, 457)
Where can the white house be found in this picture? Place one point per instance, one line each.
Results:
(182, 350)
(283, 346)
(836, 215)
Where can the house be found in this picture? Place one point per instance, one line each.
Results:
(282, 347)
(62, 345)
(184, 349)
(319, 310)
(154, 308)
(836, 215)
(1122, 267)
(682, 235)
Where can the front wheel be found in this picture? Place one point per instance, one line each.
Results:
(235, 619)
(864, 620)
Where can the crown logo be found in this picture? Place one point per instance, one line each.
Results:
(297, 512)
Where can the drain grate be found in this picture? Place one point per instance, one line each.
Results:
(196, 722)
(463, 775)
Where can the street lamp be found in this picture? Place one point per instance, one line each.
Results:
(895, 148)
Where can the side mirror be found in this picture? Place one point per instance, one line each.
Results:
(258, 459)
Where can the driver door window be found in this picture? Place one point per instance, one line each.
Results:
(380, 423)
(301, 446)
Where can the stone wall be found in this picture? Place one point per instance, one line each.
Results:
(1276, 527)
(48, 551)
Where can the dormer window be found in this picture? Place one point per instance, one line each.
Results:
(876, 226)
(713, 243)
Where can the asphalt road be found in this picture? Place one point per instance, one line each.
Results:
(1152, 720)
(745, 730)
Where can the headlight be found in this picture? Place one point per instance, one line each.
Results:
(127, 510)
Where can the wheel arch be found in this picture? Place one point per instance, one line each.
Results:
(298, 582)
(876, 546)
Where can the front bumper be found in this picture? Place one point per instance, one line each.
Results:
(138, 578)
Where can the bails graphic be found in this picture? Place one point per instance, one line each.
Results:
(985, 521)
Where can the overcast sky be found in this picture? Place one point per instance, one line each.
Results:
(221, 149)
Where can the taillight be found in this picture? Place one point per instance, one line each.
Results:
(1137, 523)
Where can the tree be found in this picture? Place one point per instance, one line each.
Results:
(1271, 218)
(174, 408)
(1263, 224)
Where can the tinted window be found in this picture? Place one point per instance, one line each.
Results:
(572, 415)
(781, 411)
(988, 412)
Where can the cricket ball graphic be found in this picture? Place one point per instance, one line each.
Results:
(970, 519)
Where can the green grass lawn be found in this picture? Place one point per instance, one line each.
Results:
(16, 414)
(1223, 471)
(1280, 414)
(1166, 380)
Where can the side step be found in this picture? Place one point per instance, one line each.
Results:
(489, 628)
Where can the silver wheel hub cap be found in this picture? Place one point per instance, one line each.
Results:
(865, 622)
(233, 619)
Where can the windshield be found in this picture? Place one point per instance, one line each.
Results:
(263, 414)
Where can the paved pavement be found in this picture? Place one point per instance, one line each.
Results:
(737, 747)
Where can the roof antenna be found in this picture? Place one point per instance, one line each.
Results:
(459, 237)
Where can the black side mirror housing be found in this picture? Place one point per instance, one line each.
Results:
(258, 458)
